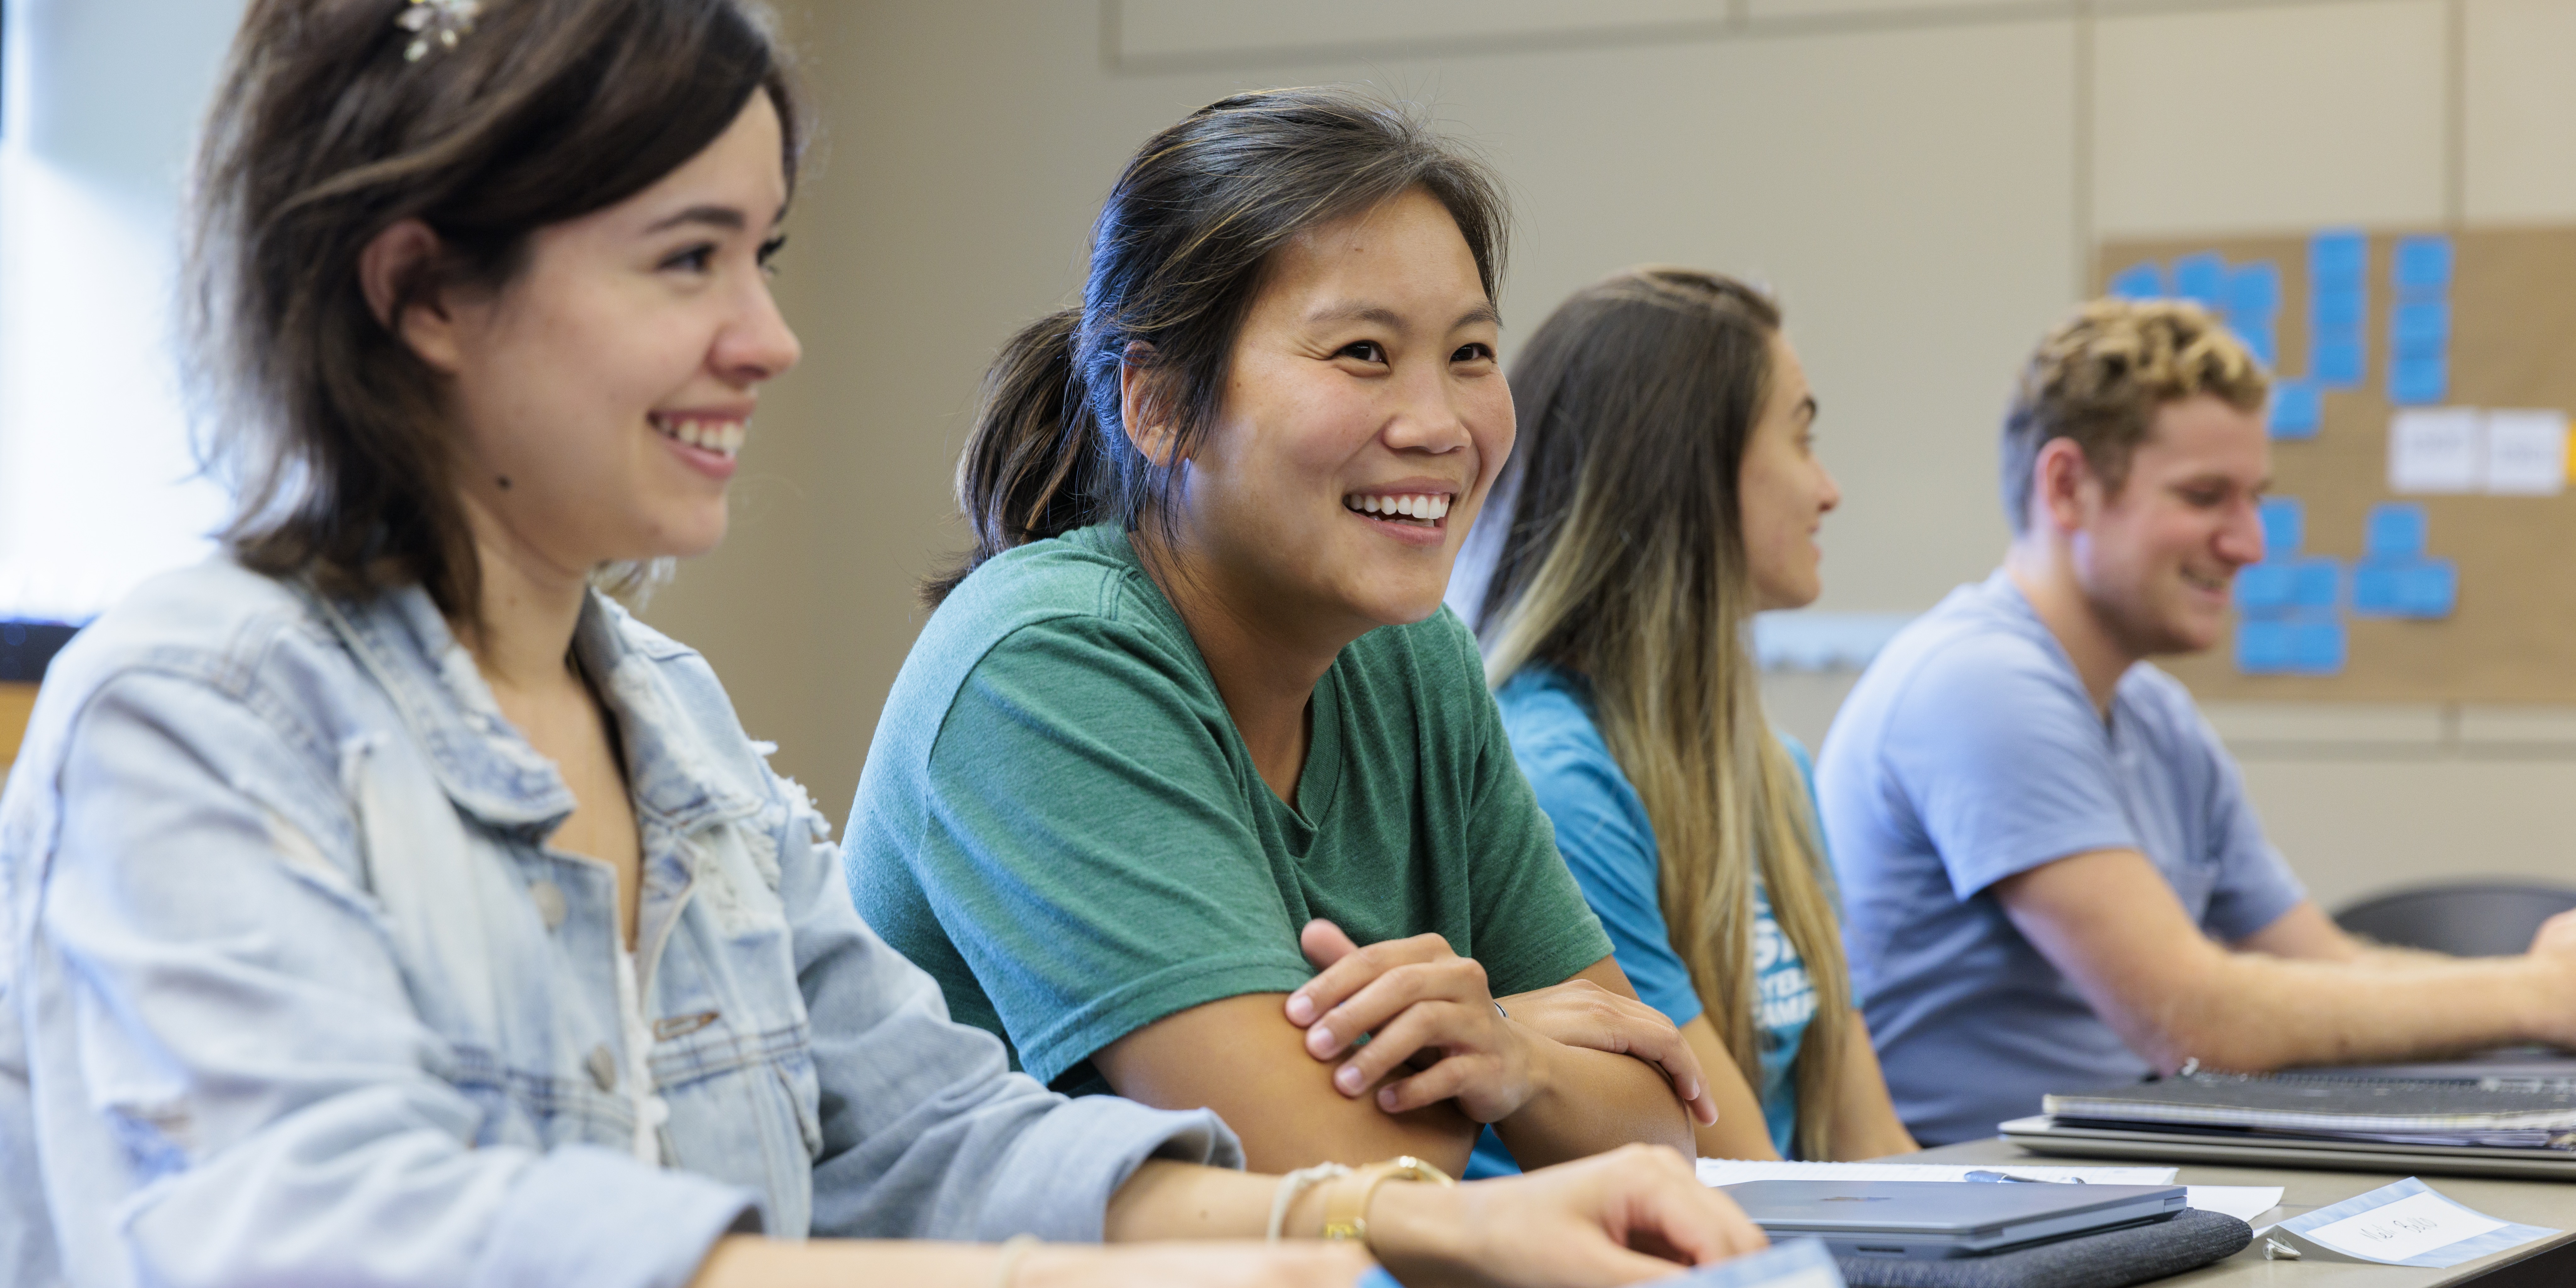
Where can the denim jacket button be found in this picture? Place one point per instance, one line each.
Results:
(550, 902)
(603, 1067)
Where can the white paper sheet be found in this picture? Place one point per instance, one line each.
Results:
(1728, 1171)
(2405, 1229)
(2244, 1202)
(2437, 449)
(2408, 1224)
(2526, 453)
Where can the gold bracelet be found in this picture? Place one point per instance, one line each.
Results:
(1346, 1206)
(1013, 1249)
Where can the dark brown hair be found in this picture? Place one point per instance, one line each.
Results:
(323, 134)
(1624, 563)
(2099, 377)
(1177, 258)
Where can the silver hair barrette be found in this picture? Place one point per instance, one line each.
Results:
(439, 21)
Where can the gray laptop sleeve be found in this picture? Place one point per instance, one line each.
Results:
(2114, 1259)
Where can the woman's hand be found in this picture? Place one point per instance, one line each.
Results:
(1580, 1013)
(1423, 1008)
(1635, 1213)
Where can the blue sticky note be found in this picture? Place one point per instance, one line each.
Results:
(2336, 363)
(2201, 277)
(2419, 588)
(2298, 408)
(2254, 291)
(2396, 530)
(2265, 588)
(2420, 329)
(2337, 311)
(2316, 647)
(2429, 588)
(2139, 282)
(2338, 259)
(2314, 583)
(2285, 526)
(2419, 382)
(2377, 587)
(2423, 265)
(2262, 646)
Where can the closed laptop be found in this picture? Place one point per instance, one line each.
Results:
(1932, 1219)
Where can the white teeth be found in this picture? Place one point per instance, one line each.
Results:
(1424, 506)
(721, 436)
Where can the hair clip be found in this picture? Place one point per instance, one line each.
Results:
(440, 20)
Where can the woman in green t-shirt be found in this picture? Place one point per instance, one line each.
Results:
(1191, 722)
(1666, 491)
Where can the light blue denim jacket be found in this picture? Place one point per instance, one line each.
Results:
(296, 993)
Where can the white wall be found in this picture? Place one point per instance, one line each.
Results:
(103, 98)
(1921, 181)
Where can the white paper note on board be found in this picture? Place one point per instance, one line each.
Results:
(2437, 449)
(2526, 452)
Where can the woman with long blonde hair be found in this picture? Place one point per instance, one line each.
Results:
(1667, 491)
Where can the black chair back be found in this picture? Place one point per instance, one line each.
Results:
(2462, 918)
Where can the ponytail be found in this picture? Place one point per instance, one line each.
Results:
(1027, 471)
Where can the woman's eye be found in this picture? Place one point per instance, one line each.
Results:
(1364, 350)
(695, 259)
(769, 251)
(1477, 352)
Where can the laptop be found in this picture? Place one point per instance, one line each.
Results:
(1939, 1219)
(2041, 1134)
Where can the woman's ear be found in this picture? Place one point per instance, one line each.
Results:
(390, 270)
(1141, 406)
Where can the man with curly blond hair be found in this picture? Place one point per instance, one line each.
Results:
(2052, 877)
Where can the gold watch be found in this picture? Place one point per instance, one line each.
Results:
(1346, 1207)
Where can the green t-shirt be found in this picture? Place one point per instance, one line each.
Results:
(1060, 823)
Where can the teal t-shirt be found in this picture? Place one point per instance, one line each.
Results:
(1602, 830)
(1059, 822)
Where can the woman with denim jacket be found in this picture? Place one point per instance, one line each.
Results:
(387, 906)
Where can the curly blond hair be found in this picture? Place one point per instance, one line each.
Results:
(2099, 377)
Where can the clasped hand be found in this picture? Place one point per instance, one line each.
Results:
(1428, 1015)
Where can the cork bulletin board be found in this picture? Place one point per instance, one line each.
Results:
(2467, 345)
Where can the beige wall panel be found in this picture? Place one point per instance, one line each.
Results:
(1907, 195)
(2357, 828)
(1155, 29)
(2520, 120)
(2269, 118)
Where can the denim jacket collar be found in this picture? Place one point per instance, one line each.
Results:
(489, 770)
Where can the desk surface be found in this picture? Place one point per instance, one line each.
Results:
(2549, 1204)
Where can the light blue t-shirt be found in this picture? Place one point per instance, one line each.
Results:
(1603, 832)
(1970, 752)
